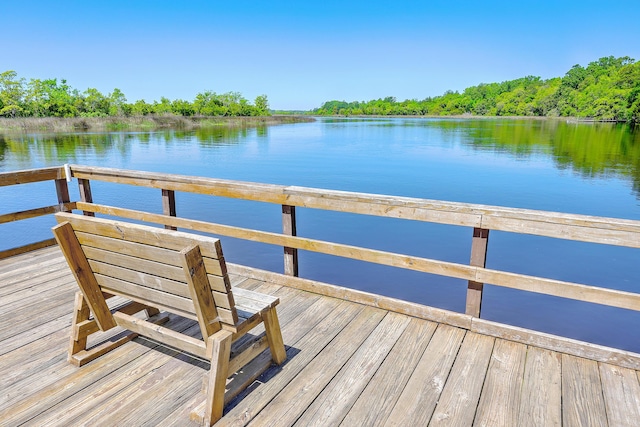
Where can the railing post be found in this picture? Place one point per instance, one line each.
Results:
(169, 205)
(289, 229)
(478, 259)
(62, 190)
(84, 187)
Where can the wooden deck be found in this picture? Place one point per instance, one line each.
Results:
(358, 366)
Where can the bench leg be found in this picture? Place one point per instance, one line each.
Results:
(80, 314)
(220, 346)
(82, 327)
(274, 335)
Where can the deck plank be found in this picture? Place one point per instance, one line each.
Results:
(541, 399)
(621, 390)
(58, 291)
(334, 369)
(300, 304)
(420, 396)
(302, 350)
(299, 301)
(31, 279)
(294, 399)
(337, 398)
(132, 387)
(131, 390)
(107, 395)
(500, 398)
(33, 361)
(47, 285)
(41, 256)
(385, 387)
(301, 345)
(22, 272)
(582, 399)
(461, 394)
(34, 396)
(37, 336)
(32, 315)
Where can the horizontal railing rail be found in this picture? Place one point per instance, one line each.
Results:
(31, 175)
(34, 213)
(611, 231)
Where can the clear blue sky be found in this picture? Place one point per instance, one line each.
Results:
(302, 53)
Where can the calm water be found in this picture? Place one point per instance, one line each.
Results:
(589, 169)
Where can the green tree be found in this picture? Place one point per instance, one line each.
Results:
(633, 105)
(162, 107)
(208, 103)
(118, 103)
(182, 108)
(47, 98)
(93, 104)
(11, 94)
(140, 108)
(262, 105)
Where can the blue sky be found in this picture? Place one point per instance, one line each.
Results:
(301, 54)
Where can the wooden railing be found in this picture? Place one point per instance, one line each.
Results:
(59, 178)
(482, 219)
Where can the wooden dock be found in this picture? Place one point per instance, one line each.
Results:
(348, 364)
(353, 358)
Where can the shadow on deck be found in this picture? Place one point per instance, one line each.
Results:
(349, 364)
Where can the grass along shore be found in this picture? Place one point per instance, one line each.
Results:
(138, 123)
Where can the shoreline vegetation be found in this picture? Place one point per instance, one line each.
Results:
(170, 121)
(50, 98)
(605, 90)
(140, 123)
(466, 116)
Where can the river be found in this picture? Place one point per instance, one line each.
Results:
(553, 165)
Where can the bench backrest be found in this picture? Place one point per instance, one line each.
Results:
(152, 266)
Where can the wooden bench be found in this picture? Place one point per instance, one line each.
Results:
(157, 271)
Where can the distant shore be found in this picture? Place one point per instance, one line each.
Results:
(139, 123)
(158, 122)
(471, 116)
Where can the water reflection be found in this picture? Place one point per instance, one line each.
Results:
(29, 149)
(67, 147)
(3, 147)
(593, 150)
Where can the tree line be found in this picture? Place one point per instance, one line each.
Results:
(606, 89)
(53, 98)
